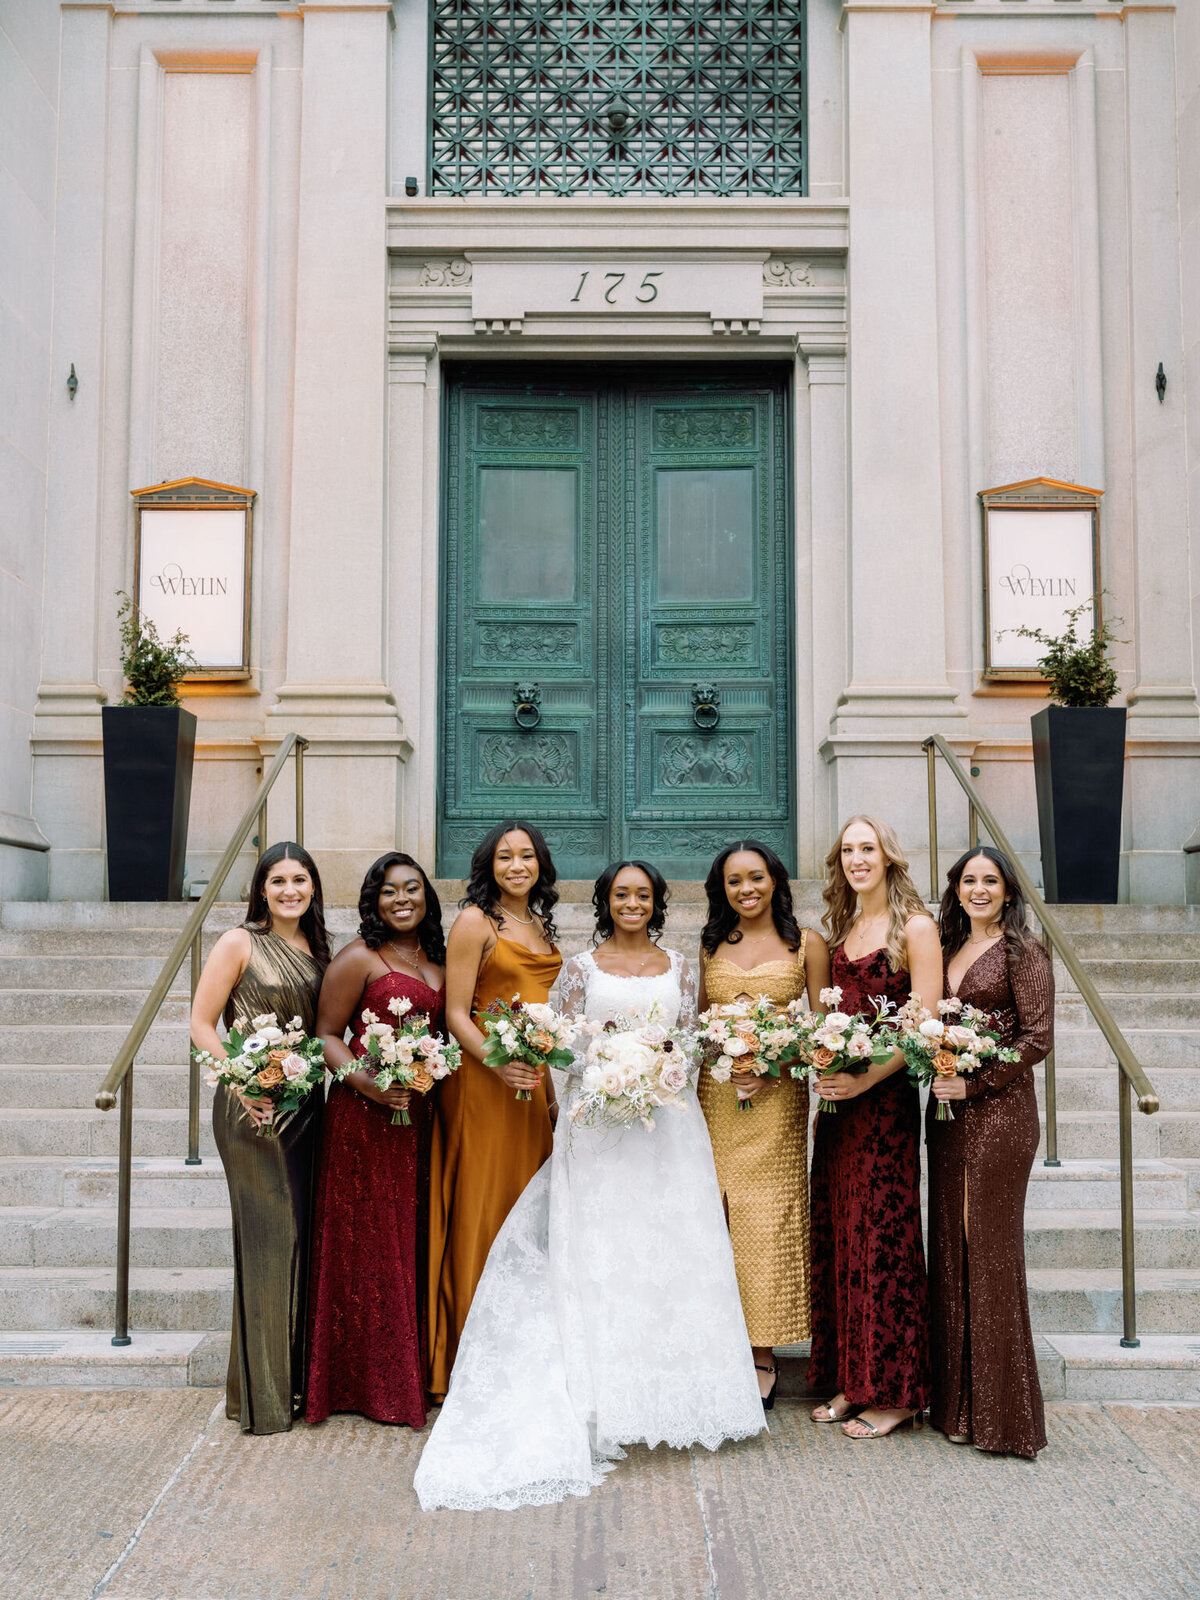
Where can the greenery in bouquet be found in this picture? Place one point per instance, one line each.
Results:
(533, 1033)
(958, 1040)
(838, 1041)
(752, 1036)
(406, 1054)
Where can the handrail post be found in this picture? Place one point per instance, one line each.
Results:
(301, 746)
(1051, 1159)
(124, 1184)
(931, 774)
(262, 828)
(1129, 1338)
(193, 1155)
(972, 826)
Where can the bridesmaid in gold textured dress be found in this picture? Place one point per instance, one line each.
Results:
(752, 945)
(272, 963)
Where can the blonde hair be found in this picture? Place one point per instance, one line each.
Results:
(841, 899)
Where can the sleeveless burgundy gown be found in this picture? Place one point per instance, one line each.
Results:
(870, 1299)
(369, 1251)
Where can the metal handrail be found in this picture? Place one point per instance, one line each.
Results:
(119, 1077)
(1130, 1072)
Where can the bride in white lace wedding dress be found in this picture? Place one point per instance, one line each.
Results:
(608, 1312)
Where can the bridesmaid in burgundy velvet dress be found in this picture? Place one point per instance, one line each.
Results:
(870, 1303)
(367, 1346)
(985, 1380)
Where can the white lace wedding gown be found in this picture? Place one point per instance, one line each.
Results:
(608, 1311)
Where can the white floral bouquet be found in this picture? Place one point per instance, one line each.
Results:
(407, 1053)
(532, 1033)
(272, 1066)
(956, 1041)
(753, 1036)
(630, 1072)
(840, 1042)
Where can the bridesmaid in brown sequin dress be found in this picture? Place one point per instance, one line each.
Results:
(367, 1343)
(985, 1382)
(272, 963)
(752, 945)
(870, 1297)
(487, 1144)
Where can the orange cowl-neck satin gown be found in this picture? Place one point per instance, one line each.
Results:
(487, 1145)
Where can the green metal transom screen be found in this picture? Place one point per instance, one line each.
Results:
(617, 97)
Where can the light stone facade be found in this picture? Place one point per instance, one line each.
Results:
(203, 210)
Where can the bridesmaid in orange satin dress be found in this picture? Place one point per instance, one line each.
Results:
(487, 1144)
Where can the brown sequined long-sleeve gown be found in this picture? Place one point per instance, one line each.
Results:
(985, 1382)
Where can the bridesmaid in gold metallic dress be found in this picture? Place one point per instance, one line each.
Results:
(752, 945)
(272, 963)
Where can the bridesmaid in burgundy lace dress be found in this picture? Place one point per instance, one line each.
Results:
(869, 1294)
(370, 1237)
(985, 1382)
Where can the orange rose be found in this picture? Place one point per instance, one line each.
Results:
(823, 1057)
(278, 1056)
(422, 1082)
(270, 1076)
(945, 1063)
(541, 1041)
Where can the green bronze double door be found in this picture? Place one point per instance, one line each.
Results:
(616, 613)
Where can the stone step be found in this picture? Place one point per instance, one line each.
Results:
(86, 974)
(1077, 1045)
(1176, 1010)
(1095, 1185)
(86, 1236)
(1167, 1136)
(160, 1298)
(1088, 1300)
(1168, 973)
(70, 1358)
(1090, 1366)
(96, 1133)
(108, 1007)
(56, 1088)
(1080, 921)
(159, 1181)
(1098, 1088)
(1092, 1239)
(74, 1045)
(1149, 944)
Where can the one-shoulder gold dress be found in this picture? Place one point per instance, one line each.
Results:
(762, 1166)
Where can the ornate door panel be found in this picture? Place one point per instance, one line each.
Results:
(616, 605)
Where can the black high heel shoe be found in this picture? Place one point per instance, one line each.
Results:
(768, 1399)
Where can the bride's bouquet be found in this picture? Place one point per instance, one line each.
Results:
(630, 1071)
(272, 1066)
(840, 1042)
(941, 1046)
(407, 1053)
(533, 1033)
(753, 1036)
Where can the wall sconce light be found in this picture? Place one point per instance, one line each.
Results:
(72, 382)
(1160, 383)
(411, 187)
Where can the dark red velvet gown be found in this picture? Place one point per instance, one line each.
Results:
(870, 1299)
(367, 1296)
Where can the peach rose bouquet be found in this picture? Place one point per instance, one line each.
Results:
(754, 1036)
(530, 1032)
(406, 1053)
(836, 1041)
(269, 1065)
(958, 1040)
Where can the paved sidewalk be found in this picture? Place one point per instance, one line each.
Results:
(153, 1495)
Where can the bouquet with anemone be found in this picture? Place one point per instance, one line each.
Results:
(273, 1067)
(407, 1053)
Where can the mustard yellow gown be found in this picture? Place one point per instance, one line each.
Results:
(761, 1157)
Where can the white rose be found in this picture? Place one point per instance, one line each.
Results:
(959, 1038)
(931, 1029)
(838, 1020)
(720, 1072)
(674, 1075)
(294, 1068)
(736, 1047)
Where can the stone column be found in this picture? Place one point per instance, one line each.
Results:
(1163, 725)
(896, 690)
(335, 691)
(67, 777)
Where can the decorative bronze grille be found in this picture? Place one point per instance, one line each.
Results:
(617, 97)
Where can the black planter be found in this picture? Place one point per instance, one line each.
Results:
(1079, 769)
(148, 754)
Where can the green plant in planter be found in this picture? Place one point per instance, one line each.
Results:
(1078, 671)
(153, 667)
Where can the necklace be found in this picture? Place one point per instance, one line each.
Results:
(400, 956)
(861, 924)
(641, 966)
(526, 922)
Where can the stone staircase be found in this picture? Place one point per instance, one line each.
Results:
(72, 977)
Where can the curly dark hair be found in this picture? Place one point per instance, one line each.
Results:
(954, 925)
(723, 919)
(374, 931)
(603, 888)
(312, 923)
(483, 890)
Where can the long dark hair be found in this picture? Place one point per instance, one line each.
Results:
(312, 923)
(954, 925)
(723, 919)
(600, 894)
(374, 931)
(483, 890)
